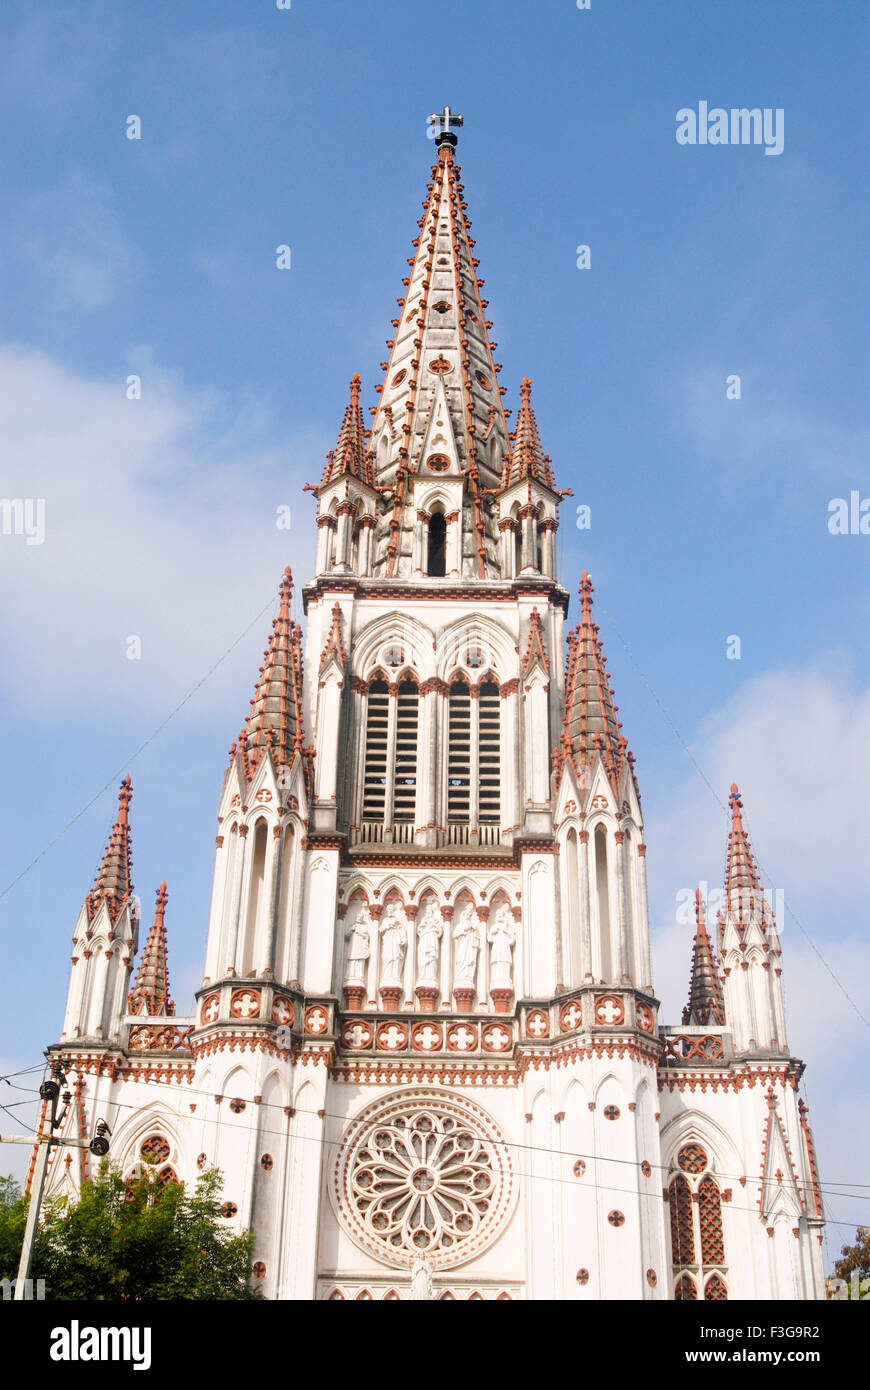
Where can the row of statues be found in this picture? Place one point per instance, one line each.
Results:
(394, 936)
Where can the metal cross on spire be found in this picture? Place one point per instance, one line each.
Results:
(443, 120)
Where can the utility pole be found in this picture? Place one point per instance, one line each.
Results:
(45, 1138)
(50, 1091)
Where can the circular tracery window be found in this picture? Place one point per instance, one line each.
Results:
(155, 1149)
(423, 1174)
(692, 1158)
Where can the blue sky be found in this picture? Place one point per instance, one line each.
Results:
(709, 517)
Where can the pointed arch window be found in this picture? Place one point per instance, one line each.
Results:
(256, 896)
(682, 1227)
(697, 1239)
(436, 555)
(602, 897)
(686, 1290)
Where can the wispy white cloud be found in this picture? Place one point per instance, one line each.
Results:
(51, 58)
(160, 518)
(768, 432)
(798, 744)
(69, 240)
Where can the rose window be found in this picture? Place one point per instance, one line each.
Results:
(430, 1176)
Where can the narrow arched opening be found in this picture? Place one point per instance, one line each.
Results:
(436, 563)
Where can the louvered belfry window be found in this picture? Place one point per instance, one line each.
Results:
(390, 770)
(459, 753)
(489, 742)
(474, 754)
(377, 739)
(405, 767)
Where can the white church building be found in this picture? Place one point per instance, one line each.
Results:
(426, 1054)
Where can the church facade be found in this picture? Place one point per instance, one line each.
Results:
(426, 1054)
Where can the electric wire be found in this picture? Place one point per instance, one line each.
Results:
(142, 746)
(723, 806)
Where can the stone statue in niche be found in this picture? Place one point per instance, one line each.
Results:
(429, 931)
(466, 945)
(421, 1280)
(394, 943)
(359, 939)
(501, 936)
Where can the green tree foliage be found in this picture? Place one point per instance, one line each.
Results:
(137, 1239)
(855, 1256)
(13, 1214)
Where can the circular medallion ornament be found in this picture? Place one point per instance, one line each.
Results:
(259, 1270)
(228, 1210)
(484, 380)
(442, 307)
(611, 1112)
(440, 365)
(496, 1038)
(399, 377)
(609, 1010)
(438, 463)
(645, 1019)
(646, 1169)
(245, 1003)
(652, 1278)
(211, 1007)
(201, 1160)
(267, 1162)
(579, 1168)
(237, 1105)
(316, 1019)
(570, 1016)
(616, 1218)
(583, 1276)
(282, 1011)
(423, 1173)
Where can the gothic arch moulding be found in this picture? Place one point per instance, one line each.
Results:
(497, 648)
(417, 640)
(694, 1126)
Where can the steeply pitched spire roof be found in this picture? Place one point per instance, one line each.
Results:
(442, 333)
(113, 884)
(349, 454)
(526, 458)
(150, 992)
(741, 872)
(275, 720)
(589, 724)
(743, 891)
(706, 1004)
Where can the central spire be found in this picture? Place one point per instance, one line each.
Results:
(440, 410)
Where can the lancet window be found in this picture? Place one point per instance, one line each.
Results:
(697, 1239)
